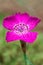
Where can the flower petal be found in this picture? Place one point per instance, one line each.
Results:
(32, 22)
(22, 17)
(11, 36)
(29, 37)
(9, 22)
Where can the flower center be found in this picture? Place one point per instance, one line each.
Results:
(21, 28)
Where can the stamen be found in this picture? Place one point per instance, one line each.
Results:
(21, 28)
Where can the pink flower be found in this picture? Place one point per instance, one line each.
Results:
(20, 26)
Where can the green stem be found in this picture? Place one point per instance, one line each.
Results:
(23, 45)
(25, 59)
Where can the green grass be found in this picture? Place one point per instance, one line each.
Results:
(11, 53)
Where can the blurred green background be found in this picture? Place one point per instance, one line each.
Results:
(11, 53)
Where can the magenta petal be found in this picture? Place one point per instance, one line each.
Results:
(11, 36)
(22, 17)
(30, 37)
(32, 22)
(9, 22)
